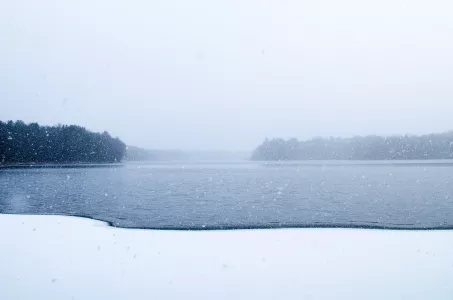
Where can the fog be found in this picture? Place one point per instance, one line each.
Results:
(223, 75)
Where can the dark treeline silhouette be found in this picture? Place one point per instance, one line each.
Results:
(431, 146)
(32, 143)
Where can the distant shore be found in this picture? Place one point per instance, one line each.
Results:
(372, 147)
(58, 165)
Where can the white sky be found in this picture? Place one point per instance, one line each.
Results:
(201, 74)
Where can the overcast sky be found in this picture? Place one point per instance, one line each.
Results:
(203, 74)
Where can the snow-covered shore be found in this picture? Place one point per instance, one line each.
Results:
(54, 257)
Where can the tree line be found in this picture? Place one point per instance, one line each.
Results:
(417, 147)
(32, 143)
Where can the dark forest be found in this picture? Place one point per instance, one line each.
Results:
(32, 143)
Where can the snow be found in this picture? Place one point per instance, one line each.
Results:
(54, 257)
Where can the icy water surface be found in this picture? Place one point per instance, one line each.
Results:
(240, 195)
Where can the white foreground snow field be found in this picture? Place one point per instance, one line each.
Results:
(53, 257)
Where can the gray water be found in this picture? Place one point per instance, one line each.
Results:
(240, 195)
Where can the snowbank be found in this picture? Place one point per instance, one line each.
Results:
(53, 257)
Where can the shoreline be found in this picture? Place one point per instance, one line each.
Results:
(217, 228)
(262, 163)
(59, 165)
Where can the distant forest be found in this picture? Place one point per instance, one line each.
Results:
(431, 146)
(32, 143)
(140, 154)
